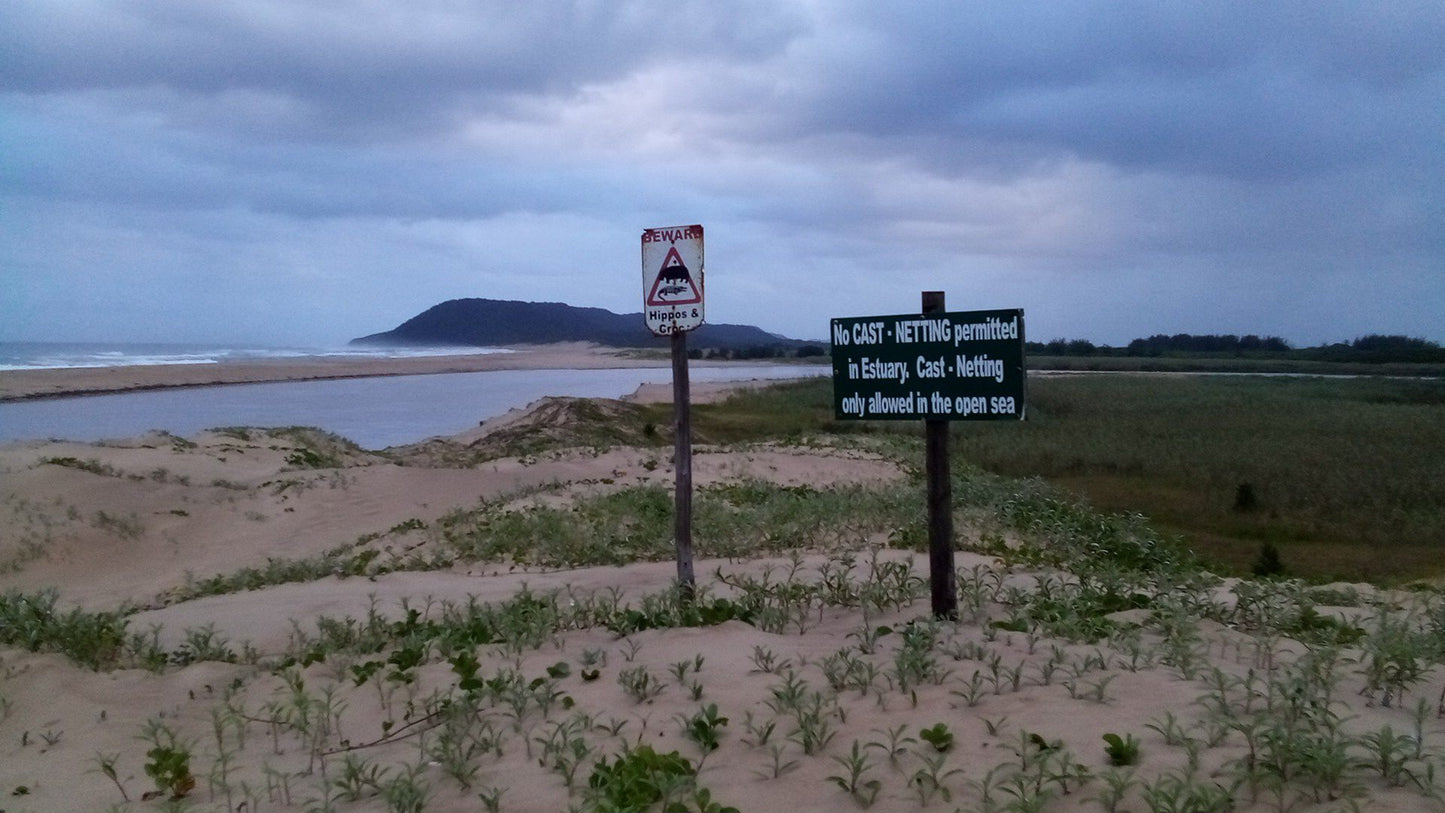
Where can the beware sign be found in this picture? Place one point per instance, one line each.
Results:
(672, 279)
(674, 286)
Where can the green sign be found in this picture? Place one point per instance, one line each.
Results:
(966, 366)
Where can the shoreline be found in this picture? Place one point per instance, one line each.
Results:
(71, 382)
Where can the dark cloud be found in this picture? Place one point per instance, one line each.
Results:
(1246, 91)
(1171, 166)
(308, 69)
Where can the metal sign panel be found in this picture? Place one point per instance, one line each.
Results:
(966, 366)
(672, 279)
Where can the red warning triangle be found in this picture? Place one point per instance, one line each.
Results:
(674, 285)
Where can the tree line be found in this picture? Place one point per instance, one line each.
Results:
(1374, 348)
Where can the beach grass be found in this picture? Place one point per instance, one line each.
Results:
(1080, 674)
(1341, 475)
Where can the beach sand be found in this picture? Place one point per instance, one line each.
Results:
(135, 524)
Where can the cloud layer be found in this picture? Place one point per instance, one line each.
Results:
(310, 171)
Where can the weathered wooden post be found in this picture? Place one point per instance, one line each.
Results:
(938, 367)
(682, 464)
(672, 304)
(942, 578)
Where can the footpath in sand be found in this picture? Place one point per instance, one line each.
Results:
(309, 626)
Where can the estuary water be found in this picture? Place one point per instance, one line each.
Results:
(373, 412)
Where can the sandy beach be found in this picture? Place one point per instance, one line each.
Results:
(27, 384)
(308, 625)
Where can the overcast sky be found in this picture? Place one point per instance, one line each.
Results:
(308, 171)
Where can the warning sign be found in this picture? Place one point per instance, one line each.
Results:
(672, 279)
(964, 366)
(674, 286)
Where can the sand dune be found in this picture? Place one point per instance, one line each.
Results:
(824, 708)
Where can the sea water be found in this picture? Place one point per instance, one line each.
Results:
(374, 412)
(73, 355)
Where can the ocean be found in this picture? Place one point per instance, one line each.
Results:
(374, 412)
(69, 355)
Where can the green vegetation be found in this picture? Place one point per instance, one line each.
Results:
(1342, 474)
(168, 764)
(640, 779)
(1308, 477)
(1280, 727)
(1369, 355)
(1123, 751)
(91, 465)
(937, 736)
(635, 524)
(1287, 364)
(1339, 475)
(344, 560)
(401, 706)
(313, 448)
(35, 622)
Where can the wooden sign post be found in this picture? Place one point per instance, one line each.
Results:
(672, 304)
(943, 580)
(682, 464)
(936, 367)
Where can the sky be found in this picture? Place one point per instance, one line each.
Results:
(307, 171)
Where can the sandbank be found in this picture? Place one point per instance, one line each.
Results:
(16, 385)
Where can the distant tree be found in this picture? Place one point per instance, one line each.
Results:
(1152, 346)
(1062, 347)
(1381, 348)
(1210, 344)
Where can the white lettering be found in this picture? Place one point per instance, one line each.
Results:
(931, 369)
(877, 369)
(965, 406)
(867, 332)
(922, 330)
(991, 329)
(978, 367)
(886, 405)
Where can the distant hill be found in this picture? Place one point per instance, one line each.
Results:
(495, 322)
